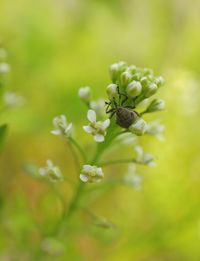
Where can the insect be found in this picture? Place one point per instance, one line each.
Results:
(125, 116)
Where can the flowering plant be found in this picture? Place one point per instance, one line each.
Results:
(118, 120)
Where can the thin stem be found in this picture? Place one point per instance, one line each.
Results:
(79, 148)
(76, 161)
(119, 161)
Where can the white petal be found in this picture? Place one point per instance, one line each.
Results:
(105, 124)
(50, 163)
(91, 115)
(88, 129)
(99, 138)
(87, 168)
(56, 132)
(83, 178)
(68, 129)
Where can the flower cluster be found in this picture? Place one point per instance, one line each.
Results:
(91, 174)
(51, 171)
(62, 127)
(130, 86)
(96, 128)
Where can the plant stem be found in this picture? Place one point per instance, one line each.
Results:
(79, 148)
(120, 161)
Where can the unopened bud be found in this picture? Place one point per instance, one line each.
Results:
(84, 93)
(160, 81)
(139, 127)
(111, 90)
(134, 89)
(114, 72)
(125, 79)
(150, 90)
(156, 105)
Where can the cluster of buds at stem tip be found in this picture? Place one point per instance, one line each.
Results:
(51, 172)
(133, 82)
(96, 128)
(62, 127)
(91, 174)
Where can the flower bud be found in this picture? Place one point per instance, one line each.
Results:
(134, 89)
(125, 78)
(139, 127)
(91, 174)
(84, 93)
(160, 81)
(156, 105)
(150, 90)
(111, 90)
(114, 72)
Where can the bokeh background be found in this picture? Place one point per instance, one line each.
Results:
(56, 46)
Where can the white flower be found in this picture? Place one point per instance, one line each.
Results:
(51, 171)
(138, 127)
(132, 178)
(84, 93)
(11, 99)
(62, 127)
(4, 68)
(91, 174)
(156, 129)
(96, 128)
(144, 158)
(98, 106)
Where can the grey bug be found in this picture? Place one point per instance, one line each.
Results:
(125, 116)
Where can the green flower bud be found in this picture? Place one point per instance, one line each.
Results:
(114, 72)
(134, 89)
(111, 90)
(159, 81)
(133, 69)
(156, 105)
(125, 79)
(150, 90)
(139, 127)
(148, 71)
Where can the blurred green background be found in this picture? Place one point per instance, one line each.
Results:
(56, 46)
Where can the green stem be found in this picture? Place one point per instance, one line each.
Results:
(120, 161)
(79, 148)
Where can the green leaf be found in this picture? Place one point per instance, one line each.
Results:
(3, 130)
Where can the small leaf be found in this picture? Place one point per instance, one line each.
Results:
(3, 129)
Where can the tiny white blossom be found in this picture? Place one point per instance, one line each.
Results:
(156, 129)
(98, 106)
(11, 99)
(143, 157)
(96, 128)
(51, 171)
(132, 178)
(91, 174)
(84, 93)
(62, 127)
